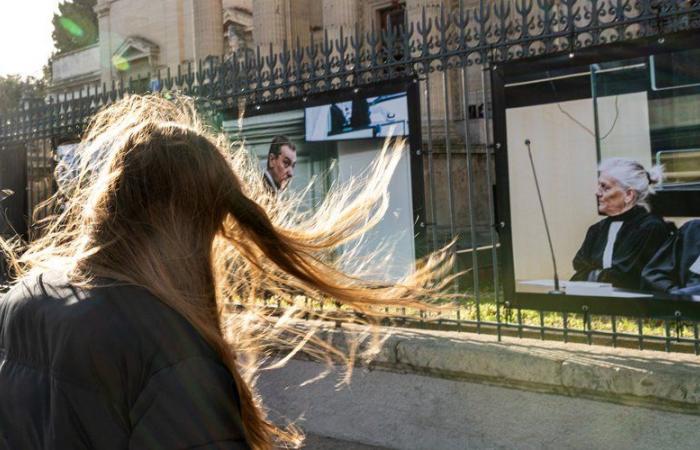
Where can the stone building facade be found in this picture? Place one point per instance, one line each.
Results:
(137, 39)
(140, 38)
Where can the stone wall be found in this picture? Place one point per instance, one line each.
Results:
(73, 72)
(77, 63)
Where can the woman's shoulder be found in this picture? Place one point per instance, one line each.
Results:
(106, 316)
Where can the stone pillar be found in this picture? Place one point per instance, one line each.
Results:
(275, 21)
(414, 11)
(208, 29)
(105, 40)
(337, 15)
(300, 21)
(172, 53)
(270, 24)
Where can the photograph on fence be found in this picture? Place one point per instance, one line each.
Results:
(606, 202)
(313, 156)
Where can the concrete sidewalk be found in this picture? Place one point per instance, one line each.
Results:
(451, 391)
(323, 443)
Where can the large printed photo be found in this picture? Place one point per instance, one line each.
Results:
(615, 148)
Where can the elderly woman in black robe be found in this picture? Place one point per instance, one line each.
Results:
(617, 248)
(676, 266)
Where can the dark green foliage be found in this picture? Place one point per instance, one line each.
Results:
(14, 89)
(75, 26)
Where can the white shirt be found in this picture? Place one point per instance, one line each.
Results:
(612, 236)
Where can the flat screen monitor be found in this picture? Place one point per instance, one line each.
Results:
(360, 118)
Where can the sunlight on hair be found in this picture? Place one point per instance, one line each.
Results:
(163, 202)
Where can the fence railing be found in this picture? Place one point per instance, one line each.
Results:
(449, 52)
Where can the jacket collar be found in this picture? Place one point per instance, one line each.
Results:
(632, 213)
(270, 182)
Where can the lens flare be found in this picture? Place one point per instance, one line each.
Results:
(120, 63)
(71, 27)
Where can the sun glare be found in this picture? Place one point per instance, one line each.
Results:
(71, 27)
(25, 36)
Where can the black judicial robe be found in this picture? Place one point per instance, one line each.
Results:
(669, 270)
(638, 239)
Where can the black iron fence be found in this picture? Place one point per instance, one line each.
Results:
(450, 53)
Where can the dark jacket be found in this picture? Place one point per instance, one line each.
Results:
(108, 367)
(269, 183)
(669, 270)
(638, 239)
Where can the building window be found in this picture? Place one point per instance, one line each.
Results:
(392, 18)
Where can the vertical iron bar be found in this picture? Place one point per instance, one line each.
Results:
(667, 336)
(587, 325)
(448, 150)
(520, 322)
(613, 320)
(44, 178)
(40, 184)
(49, 176)
(594, 90)
(498, 321)
(542, 325)
(565, 323)
(431, 169)
(489, 191)
(470, 187)
(28, 187)
(640, 330)
(696, 342)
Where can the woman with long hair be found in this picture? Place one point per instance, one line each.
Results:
(138, 318)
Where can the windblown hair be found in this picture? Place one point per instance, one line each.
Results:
(162, 203)
(632, 175)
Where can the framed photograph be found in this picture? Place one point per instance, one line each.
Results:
(598, 178)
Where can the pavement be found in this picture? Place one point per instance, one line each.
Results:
(323, 443)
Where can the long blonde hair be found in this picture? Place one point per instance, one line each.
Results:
(162, 203)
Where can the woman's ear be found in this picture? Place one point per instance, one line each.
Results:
(630, 196)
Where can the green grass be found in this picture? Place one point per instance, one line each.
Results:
(486, 311)
(466, 309)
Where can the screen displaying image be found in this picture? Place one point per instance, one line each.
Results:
(361, 118)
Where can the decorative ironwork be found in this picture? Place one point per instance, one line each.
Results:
(491, 32)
